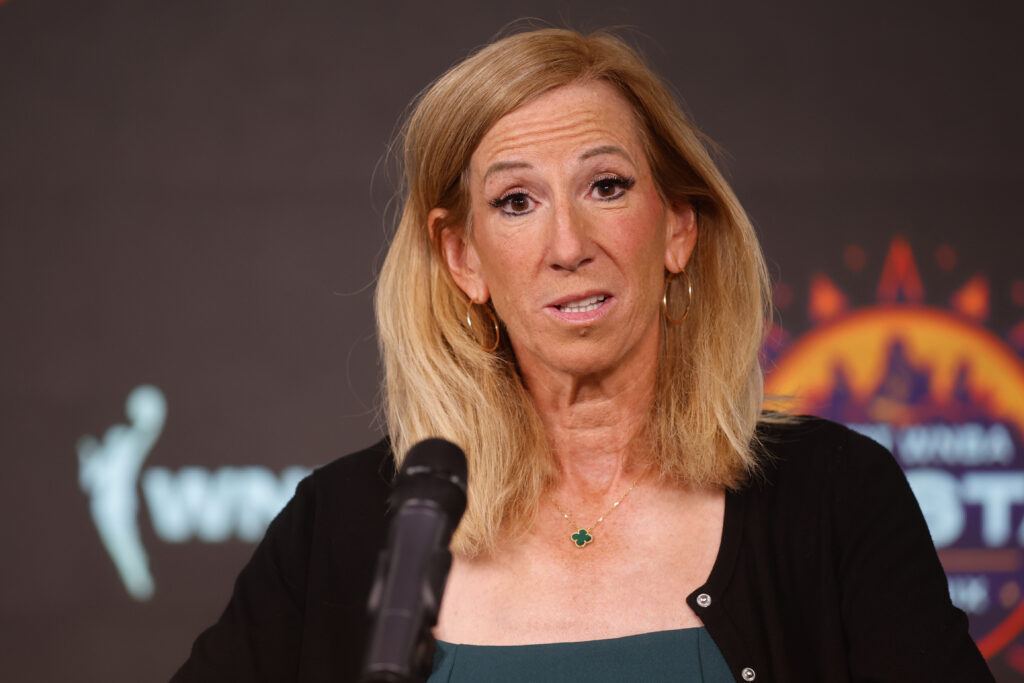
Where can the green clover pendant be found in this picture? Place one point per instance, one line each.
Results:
(581, 538)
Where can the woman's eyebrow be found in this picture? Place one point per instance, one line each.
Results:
(504, 166)
(605, 149)
(593, 152)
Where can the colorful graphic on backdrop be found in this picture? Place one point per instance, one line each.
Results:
(946, 395)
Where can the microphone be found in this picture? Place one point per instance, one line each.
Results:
(429, 499)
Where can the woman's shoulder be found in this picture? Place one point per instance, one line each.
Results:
(811, 451)
(373, 465)
(820, 479)
(359, 481)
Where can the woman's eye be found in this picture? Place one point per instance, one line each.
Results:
(513, 203)
(611, 187)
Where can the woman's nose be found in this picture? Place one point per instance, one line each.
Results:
(570, 246)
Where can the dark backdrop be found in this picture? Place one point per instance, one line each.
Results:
(193, 195)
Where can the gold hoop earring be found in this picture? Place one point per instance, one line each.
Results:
(494, 321)
(689, 298)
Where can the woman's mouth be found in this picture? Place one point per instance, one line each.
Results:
(591, 303)
(586, 309)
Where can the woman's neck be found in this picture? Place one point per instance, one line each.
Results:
(597, 424)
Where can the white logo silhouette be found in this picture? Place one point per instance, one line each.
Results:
(191, 503)
(108, 471)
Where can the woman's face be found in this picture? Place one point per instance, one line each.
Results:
(570, 238)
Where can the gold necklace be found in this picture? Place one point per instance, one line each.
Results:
(582, 536)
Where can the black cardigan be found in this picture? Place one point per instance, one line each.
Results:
(826, 572)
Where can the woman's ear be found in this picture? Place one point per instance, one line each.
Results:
(680, 235)
(459, 255)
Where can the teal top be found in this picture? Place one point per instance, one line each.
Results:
(686, 654)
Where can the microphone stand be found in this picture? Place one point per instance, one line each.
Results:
(402, 646)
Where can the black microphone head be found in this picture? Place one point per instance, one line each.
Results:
(438, 458)
(434, 471)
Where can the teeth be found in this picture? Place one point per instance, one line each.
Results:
(583, 305)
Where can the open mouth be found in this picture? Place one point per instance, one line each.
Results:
(591, 303)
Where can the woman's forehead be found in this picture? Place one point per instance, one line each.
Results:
(578, 120)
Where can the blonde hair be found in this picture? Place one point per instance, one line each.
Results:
(440, 382)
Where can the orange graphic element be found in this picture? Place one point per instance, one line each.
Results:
(1002, 635)
(899, 275)
(973, 299)
(857, 343)
(826, 301)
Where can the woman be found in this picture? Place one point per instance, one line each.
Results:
(575, 296)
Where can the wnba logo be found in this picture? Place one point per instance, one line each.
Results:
(191, 503)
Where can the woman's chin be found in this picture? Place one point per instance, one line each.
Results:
(575, 360)
(585, 351)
